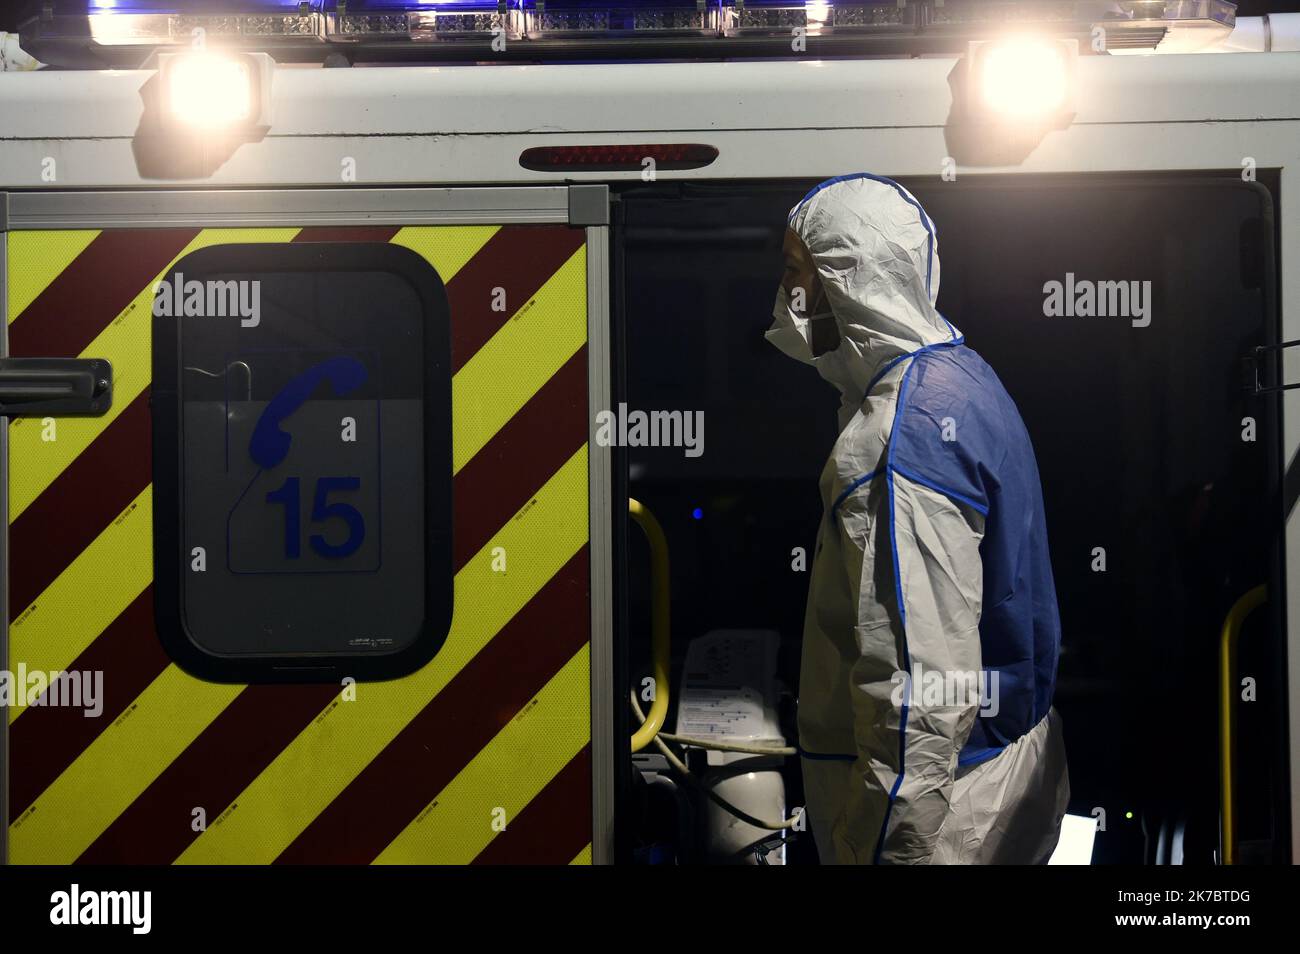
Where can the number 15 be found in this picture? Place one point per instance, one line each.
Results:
(288, 494)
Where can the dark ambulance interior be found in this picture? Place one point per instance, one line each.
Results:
(1138, 433)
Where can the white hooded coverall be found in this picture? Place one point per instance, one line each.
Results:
(932, 634)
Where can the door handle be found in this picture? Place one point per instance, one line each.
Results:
(55, 387)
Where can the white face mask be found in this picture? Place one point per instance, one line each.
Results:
(791, 331)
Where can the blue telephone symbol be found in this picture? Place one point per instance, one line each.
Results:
(270, 444)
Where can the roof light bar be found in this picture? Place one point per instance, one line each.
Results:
(855, 17)
(575, 18)
(358, 20)
(612, 29)
(174, 22)
(1172, 25)
(751, 17)
(294, 24)
(1184, 25)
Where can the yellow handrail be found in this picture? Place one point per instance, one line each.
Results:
(660, 638)
(1227, 694)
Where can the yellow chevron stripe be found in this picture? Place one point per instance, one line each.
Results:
(522, 356)
(583, 857)
(448, 250)
(36, 462)
(87, 596)
(331, 752)
(116, 768)
(504, 776)
(37, 258)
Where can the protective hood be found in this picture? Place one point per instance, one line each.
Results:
(878, 258)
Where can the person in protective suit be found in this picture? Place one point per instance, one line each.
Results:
(931, 637)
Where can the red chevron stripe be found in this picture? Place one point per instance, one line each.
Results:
(554, 826)
(460, 720)
(541, 436)
(517, 259)
(76, 507)
(45, 741)
(93, 290)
